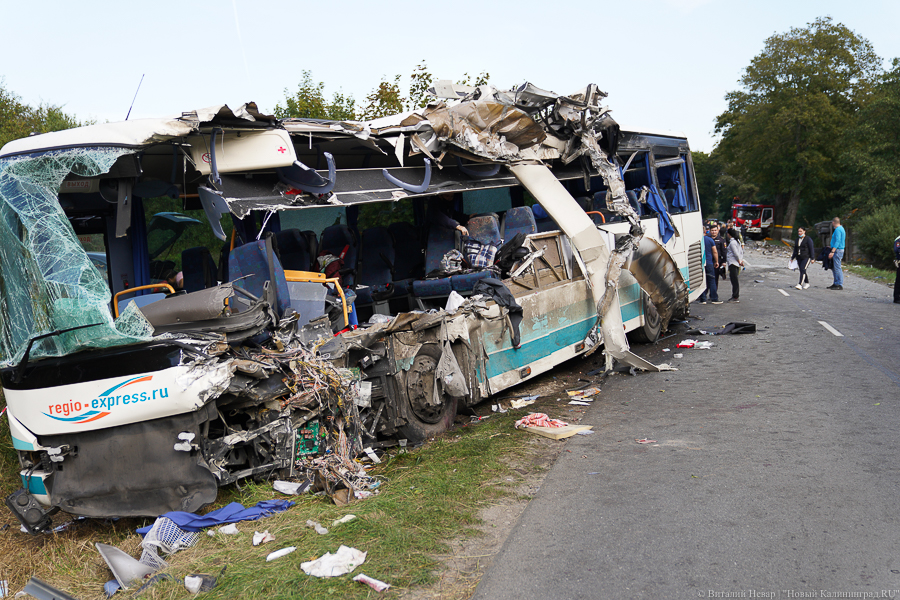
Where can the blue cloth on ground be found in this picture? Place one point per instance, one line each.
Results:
(232, 513)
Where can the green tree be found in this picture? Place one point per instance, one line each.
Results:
(419, 82)
(384, 100)
(875, 233)
(781, 131)
(309, 102)
(871, 156)
(18, 120)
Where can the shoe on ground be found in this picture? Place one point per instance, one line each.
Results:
(838, 287)
(733, 300)
(798, 286)
(701, 301)
(805, 286)
(716, 302)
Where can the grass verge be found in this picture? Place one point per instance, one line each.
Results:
(429, 495)
(871, 273)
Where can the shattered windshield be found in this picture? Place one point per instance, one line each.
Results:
(748, 213)
(47, 281)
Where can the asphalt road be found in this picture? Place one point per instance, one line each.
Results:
(774, 474)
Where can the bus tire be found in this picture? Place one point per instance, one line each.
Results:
(426, 416)
(652, 327)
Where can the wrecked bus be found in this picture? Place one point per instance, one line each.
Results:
(332, 311)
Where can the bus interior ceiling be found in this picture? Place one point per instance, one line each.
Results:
(327, 230)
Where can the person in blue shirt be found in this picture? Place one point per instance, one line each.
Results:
(712, 265)
(838, 242)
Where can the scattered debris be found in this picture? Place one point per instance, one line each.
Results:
(202, 583)
(292, 488)
(558, 433)
(318, 527)
(280, 553)
(584, 394)
(126, 569)
(538, 420)
(703, 345)
(378, 586)
(645, 441)
(738, 327)
(230, 529)
(344, 561)
(344, 519)
(44, 591)
(678, 355)
(686, 344)
(523, 402)
(262, 538)
(585, 432)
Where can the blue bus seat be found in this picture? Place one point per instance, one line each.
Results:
(334, 239)
(297, 249)
(376, 263)
(440, 241)
(485, 229)
(517, 220)
(198, 269)
(251, 261)
(543, 220)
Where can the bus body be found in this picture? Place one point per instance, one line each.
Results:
(122, 408)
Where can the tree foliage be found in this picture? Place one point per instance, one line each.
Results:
(18, 119)
(385, 99)
(309, 102)
(781, 131)
(875, 233)
(871, 157)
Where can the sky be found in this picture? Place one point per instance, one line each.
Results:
(666, 64)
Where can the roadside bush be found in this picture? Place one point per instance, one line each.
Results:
(875, 234)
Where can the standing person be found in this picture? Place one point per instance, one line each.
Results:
(838, 241)
(803, 254)
(717, 234)
(897, 264)
(735, 259)
(712, 264)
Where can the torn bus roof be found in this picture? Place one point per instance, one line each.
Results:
(139, 132)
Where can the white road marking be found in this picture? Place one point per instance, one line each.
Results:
(831, 329)
(783, 292)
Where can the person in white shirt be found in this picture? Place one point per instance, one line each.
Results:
(734, 256)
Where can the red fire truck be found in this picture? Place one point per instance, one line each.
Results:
(759, 218)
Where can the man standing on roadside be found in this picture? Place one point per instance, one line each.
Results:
(711, 266)
(838, 241)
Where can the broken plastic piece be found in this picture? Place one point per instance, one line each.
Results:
(125, 569)
(703, 345)
(333, 565)
(280, 553)
(378, 586)
(686, 344)
(645, 441)
(202, 583)
(230, 529)
(344, 519)
(292, 488)
(318, 527)
(44, 591)
(262, 538)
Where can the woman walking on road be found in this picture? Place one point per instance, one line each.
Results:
(735, 259)
(803, 254)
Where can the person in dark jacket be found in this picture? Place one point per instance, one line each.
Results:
(803, 254)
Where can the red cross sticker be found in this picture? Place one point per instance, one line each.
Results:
(282, 149)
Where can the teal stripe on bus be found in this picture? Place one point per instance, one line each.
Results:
(34, 485)
(536, 349)
(21, 445)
